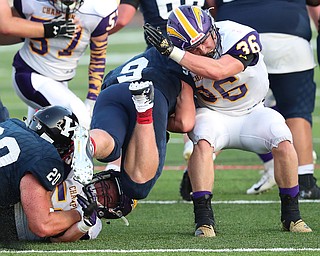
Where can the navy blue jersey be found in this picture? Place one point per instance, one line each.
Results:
(151, 65)
(278, 16)
(115, 113)
(22, 151)
(156, 12)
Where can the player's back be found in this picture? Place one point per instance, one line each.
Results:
(156, 12)
(24, 151)
(151, 65)
(272, 16)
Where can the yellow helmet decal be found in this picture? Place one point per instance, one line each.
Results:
(188, 28)
(171, 31)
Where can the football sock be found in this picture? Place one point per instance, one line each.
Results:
(293, 192)
(265, 157)
(92, 146)
(198, 194)
(145, 117)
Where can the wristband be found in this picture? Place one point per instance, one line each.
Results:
(93, 146)
(83, 228)
(177, 54)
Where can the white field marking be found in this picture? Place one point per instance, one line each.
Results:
(224, 202)
(168, 250)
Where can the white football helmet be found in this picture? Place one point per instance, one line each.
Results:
(63, 5)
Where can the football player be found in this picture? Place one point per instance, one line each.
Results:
(43, 67)
(231, 82)
(33, 162)
(18, 27)
(291, 81)
(142, 97)
(155, 12)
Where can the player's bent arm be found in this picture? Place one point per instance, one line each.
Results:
(104, 143)
(125, 15)
(36, 202)
(16, 26)
(210, 68)
(71, 235)
(183, 119)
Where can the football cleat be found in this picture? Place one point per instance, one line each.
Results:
(266, 182)
(205, 231)
(187, 150)
(82, 160)
(142, 95)
(299, 226)
(185, 187)
(309, 193)
(308, 187)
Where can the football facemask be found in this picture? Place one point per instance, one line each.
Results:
(112, 203)
(64, 6)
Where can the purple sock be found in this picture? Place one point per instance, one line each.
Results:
(200, 194)
(266, 157)
(293, 192)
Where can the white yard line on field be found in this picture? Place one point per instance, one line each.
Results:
(245, 250)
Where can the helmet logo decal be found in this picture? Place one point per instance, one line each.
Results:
(171, 31)
(198, 14)
(67, 129)
(194, 35)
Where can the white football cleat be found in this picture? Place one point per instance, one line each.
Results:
(266, 182)
(82, 160)
(187, 150)
(142, 95)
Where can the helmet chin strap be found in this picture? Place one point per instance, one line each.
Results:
(67, 13)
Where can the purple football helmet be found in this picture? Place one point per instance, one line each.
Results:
(189, 26)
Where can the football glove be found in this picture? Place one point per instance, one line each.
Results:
(163, 44)
(59, 27)
(89, 208)
(158, 40)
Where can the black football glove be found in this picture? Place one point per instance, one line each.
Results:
(158, 40)
(59, 27)
(89, 209)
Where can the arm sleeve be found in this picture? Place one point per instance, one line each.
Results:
(134, 3)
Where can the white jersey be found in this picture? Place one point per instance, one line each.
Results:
(235, 95)
(64, 198)
(57, 58)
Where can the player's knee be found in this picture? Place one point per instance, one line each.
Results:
(284, 149)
